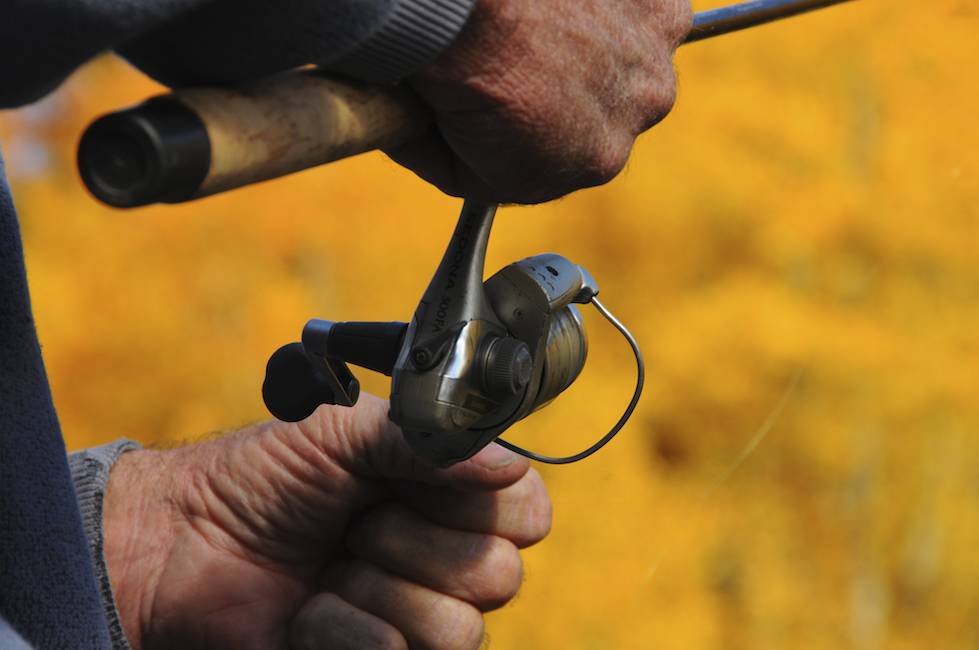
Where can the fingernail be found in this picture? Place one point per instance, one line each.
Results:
(495, 457)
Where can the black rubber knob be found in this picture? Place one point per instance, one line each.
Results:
(507, 368)
(157, 151)
(293, 389)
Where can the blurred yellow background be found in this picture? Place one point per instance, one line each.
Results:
(811, 205)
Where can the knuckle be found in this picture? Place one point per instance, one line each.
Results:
(683, 22)
(359, 581)
(376, 534)
(383, 519)
(362, 535)
(303, 635)
(497, 579)
(671, 23)
(658, 98)
(605, 163)
(463, 629)
(388, 638)
(539, 512)
(327, 620)
(664, 95)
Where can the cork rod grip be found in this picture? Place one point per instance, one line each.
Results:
(200, 141)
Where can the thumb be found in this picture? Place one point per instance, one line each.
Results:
(363, 441)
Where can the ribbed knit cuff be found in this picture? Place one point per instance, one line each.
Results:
(412, 35)
(90, 473)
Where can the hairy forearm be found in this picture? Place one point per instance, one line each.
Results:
(140, 522)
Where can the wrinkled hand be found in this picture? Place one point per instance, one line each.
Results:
(537, 99)
(329, 533)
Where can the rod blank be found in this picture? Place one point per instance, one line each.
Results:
(714, 22)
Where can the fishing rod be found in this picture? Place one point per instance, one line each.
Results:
(200, 141)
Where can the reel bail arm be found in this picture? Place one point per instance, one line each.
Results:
(604, 440)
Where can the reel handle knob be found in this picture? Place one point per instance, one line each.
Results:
(296, 384)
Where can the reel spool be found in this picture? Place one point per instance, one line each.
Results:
(475, 358)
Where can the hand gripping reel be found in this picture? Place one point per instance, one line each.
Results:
(476, 357)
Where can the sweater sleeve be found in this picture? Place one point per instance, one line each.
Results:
(182, 42)
(90, 474)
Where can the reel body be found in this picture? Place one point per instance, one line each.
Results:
(476, 357)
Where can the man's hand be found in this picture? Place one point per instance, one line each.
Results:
(329, 533)
(538, 99)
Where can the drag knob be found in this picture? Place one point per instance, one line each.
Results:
(293, 388)
(507, 367)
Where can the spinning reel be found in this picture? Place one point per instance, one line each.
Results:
(475, 358)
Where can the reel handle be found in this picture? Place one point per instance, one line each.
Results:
(370, 345)
(201, 141)
(301, 376)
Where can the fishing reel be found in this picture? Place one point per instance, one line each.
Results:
(476, 357)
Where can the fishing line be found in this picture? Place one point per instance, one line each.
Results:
(749, 448)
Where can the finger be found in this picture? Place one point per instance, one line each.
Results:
(432, 159)
(483, 570)
(682, 22)
(330, 623)
(493, 468)
(655, 96)
(363, 441)
(453, 157)
(427, 619)
(521, 513)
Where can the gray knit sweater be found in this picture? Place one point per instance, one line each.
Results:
(90, 475)
(54, 589)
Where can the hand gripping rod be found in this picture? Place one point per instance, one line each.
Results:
(201, 141)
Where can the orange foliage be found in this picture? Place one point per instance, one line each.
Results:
(811, 204)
